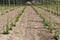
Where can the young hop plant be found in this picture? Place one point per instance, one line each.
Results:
(46, 23)
(12, 25)
(56, 35)
(6, 31)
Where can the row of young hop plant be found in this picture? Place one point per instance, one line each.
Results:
(53, 12)
(7, 11)
(48, 25)
(13, 24)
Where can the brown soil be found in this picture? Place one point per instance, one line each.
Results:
(29, 27)
(53, 19)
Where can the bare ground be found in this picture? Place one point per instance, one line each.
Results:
(29, 27)
(53, 19)
(11, 15)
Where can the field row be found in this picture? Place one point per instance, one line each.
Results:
(9, 20)
(35, 24)
(30, 27)
(6, 9)
(54, 9)
(51, 21)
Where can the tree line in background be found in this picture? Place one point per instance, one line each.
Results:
(12, 1)
(24, 1)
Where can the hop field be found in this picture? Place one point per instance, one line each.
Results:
(39, 20)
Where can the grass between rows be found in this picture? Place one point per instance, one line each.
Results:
(49, 26)
(13, 24)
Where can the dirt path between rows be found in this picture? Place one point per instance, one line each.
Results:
(29, 27)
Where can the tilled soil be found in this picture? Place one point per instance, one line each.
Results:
(29, 27)
(53, 19)
(11, 16)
